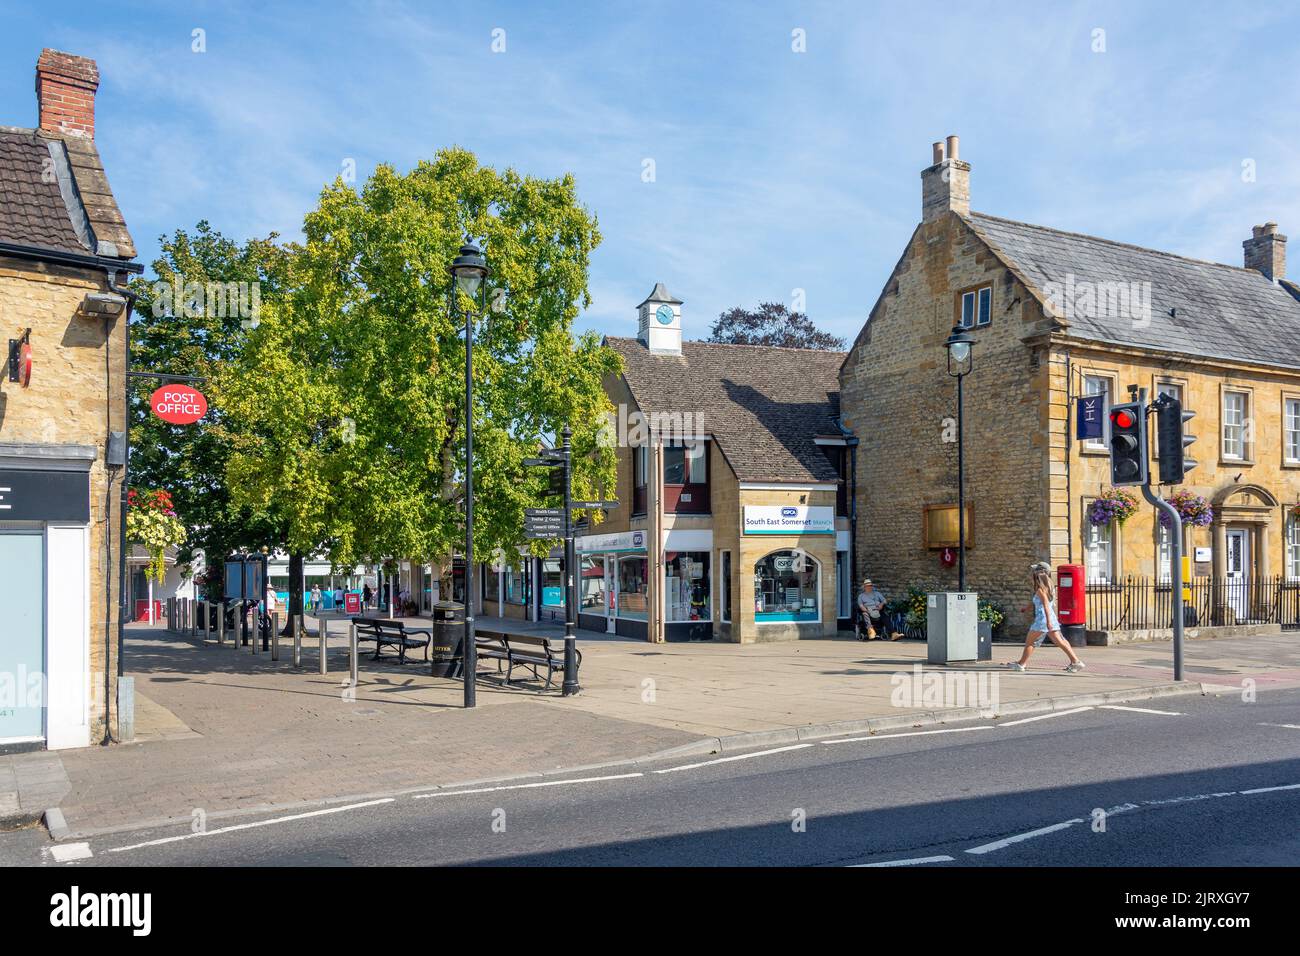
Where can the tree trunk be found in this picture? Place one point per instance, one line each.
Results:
(295, 591)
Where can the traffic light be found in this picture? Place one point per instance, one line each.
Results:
(1128, 444)
(1171, 441)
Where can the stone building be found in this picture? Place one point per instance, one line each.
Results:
(733, 520)
(1057, 317)
(63, 249)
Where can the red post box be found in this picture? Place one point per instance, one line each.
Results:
(1071, 595)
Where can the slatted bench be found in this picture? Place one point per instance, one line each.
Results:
(523, 650)
(388, 633)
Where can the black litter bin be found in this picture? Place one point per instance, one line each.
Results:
(446, 645)
(1075, 635)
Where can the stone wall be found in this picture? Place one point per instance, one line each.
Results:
(69, 402)
(898, 398)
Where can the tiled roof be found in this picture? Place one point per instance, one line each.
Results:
(1197, 308)
(32, 210)
(54, 195)
(762, 405)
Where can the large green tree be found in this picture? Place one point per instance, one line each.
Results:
(193, 316)
(347, 405)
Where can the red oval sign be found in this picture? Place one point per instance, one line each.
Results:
(178, 404)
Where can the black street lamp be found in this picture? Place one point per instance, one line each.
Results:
(960, 345)
(469, 269)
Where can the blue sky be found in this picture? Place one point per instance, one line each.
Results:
(775, 170)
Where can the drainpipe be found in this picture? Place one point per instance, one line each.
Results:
(131, 299)
(852, 445)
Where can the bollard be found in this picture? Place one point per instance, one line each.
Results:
(297, 641)
(275, 635)
(324, 632)
(352, 653)
(221, 623)
(256, 630)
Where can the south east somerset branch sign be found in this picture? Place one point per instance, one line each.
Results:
(178, 404)
(789, 519)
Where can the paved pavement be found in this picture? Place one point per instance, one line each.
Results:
(1186, 781)
(221, 731)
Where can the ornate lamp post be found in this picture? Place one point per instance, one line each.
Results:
(960, 345)
(469, 269)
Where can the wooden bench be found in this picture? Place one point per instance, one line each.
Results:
(388, 633)
(523, 650)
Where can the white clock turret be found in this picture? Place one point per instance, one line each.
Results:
(659, 322)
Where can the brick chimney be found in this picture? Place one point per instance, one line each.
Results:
(65, 91)
(1266, 251)
(946, 184)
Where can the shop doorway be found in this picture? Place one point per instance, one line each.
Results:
(22, 638)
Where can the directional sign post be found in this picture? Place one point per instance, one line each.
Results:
(544, 523)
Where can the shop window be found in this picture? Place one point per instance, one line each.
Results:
(686, 586)
(786, 588)
(843, 586)
(726, 587)
(552, 582)
(491, 583)
(686, 478)
(519, 583)
(592, 589)
(633, 587)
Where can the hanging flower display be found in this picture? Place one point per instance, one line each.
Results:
(1112, 505)
(151, 521)
(1194, 509)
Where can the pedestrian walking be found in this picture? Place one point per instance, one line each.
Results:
(1045, 624)
(315, 598)
(366, 594)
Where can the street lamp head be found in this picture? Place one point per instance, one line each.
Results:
(959, 345)
(469, 268)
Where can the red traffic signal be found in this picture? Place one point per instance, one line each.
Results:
(1122, 418)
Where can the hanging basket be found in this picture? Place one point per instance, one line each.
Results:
(1112, 505)
(1195, 510)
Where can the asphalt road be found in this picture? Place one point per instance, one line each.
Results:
(1099, 787)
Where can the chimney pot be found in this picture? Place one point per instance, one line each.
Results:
(1265, 251)
(945, 186)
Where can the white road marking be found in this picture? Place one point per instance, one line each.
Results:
(1289, 786)
(709, 763)
(1055, 713)
(524, 786)
(913, 862)
(1287, 726)
(1021, 837)
(249, 826)
(1143, 710)
(67, 852)
(912, 733)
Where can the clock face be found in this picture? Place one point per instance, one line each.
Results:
(664, 314)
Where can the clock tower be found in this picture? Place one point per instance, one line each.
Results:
(659, 322)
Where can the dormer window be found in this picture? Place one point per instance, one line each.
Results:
(976, 307)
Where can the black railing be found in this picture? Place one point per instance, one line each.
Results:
(1142, 603)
